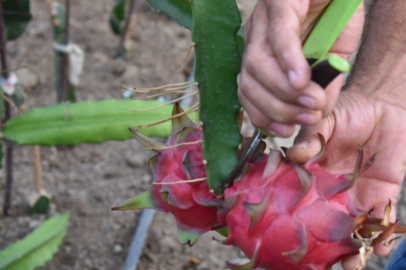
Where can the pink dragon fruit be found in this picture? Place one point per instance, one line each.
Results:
(173, 166)
(286, 216)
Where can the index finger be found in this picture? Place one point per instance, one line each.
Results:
(284, 31)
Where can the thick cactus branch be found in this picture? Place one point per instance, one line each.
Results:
(215, 25)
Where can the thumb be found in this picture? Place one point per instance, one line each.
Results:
(307, 143)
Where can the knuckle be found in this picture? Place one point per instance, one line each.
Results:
(285, 53)
(259, 120)
(242, 98)
(251, 61)
(284, 116)
(290, 132)
(243, 86)
(277, 29)
(281, 112)
(240, 94)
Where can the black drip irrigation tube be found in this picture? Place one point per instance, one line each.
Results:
(144, 222)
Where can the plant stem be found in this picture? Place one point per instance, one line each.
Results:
(126, 33)
(4, 65)
(65, 59)
(217, 64)
(9, 169)
(36, 164)
(9, 149)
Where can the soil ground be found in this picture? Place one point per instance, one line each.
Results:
(87, 180)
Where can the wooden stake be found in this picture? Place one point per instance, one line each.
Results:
(129, 25)
(65, 59)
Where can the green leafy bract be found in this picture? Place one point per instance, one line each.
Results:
(86, 122)
(16, 14)
(37, 248)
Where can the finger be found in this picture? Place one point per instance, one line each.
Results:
(267, 72)
(307, 143)
(351, 262)
(256, 29)
(248, 29)
(332, 92)
(284, 38)
(257, 118)
(275, 109)
(259, 60)
(262, 122)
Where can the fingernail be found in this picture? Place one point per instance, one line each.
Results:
(307, 101)
(305, 119)
(303, 144)
(278, 129)
(292, 76)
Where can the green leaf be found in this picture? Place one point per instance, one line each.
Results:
(16, 14)
(86, 122)
(117, 16)
(37, 248)
(41, 205)
(178, 10)
(217, 60)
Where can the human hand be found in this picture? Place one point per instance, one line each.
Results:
(377, 122)
(275, 87)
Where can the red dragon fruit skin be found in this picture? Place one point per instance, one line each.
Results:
(286, 216)
(192, 205)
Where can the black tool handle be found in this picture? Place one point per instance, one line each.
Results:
(323, 73)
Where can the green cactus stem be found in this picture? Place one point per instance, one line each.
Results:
(215, 26)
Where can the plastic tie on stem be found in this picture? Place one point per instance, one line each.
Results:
(76, 60)
(8, 85)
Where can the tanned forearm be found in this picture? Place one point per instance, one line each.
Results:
(380, 67)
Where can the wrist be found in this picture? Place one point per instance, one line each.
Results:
(388, 77)
(390, 88)
(380, 66)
